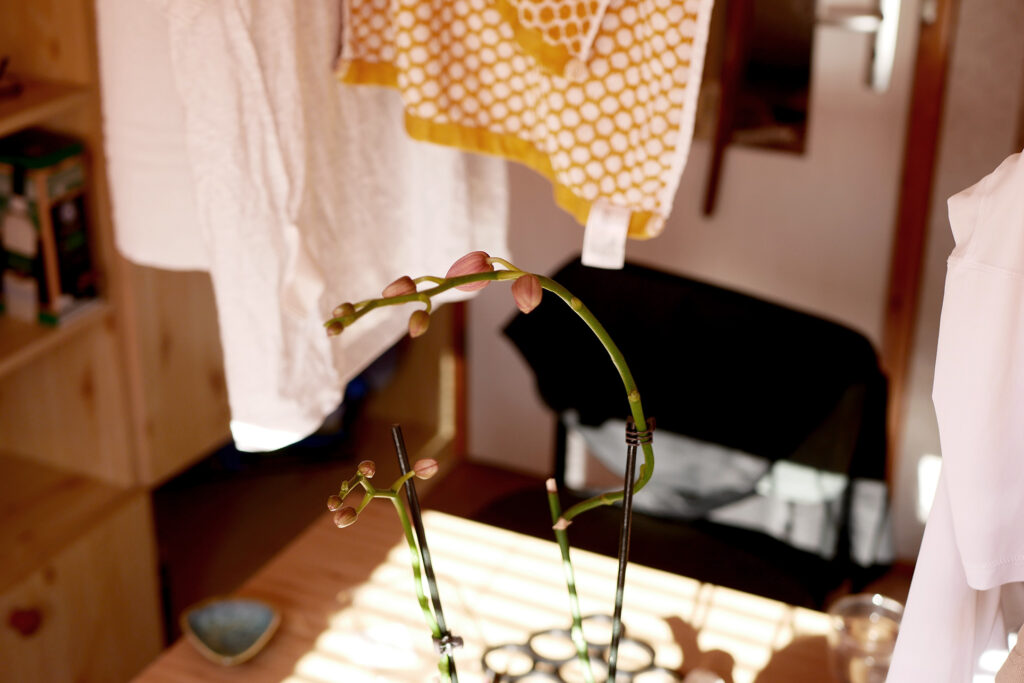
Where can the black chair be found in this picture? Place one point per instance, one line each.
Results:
(756, 403)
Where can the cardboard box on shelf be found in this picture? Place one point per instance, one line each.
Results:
(48, 267)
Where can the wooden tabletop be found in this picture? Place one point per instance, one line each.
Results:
(349, 612)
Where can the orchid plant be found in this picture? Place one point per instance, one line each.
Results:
(472, 272)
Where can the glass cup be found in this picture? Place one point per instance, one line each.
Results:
(863, 636)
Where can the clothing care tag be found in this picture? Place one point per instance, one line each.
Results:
(604, 238)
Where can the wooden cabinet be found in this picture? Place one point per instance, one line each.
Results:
(132, 392)
(177, 381)
(97, 411)
(78, 581)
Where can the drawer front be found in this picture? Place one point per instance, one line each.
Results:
(91, 613)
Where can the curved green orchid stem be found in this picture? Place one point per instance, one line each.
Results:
(429, 278)
(632, 394)
(503, 262)
(364, 307)
(636, 408)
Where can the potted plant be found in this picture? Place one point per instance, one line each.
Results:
(471, 272)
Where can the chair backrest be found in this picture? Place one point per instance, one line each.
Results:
(740, 379)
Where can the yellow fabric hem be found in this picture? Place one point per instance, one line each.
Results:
(478, 140)
(510, 147)
(551, 57)
(353, 72)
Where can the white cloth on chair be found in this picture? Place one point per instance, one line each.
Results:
(973, 548)
(306, 194)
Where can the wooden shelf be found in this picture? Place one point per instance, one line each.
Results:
(44, 509)
(37, 102)
(21, 342)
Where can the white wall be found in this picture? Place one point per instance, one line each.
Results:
(813, 232)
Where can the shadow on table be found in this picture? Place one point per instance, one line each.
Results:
(798, 661)
(801, 660)
(718, 661)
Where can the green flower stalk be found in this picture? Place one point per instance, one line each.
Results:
(346, 516)
(475, 271)
(559, 525)
(472, 272)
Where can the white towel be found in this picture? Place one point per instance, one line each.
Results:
(152, 196)
(308, 194)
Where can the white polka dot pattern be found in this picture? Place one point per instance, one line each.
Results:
(554, 32)
(617, 131)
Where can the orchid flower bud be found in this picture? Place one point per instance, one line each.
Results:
(333, 503)
(425, 468)
(527, 292)
(367, 468)
(346, 516)
(419, 321)
(473, 262)
(334, 329)
(403, 285)
(342, 310)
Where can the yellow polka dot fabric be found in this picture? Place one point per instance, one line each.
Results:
(554, 32)
(613, 125)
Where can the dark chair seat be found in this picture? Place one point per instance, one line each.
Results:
(720, 367)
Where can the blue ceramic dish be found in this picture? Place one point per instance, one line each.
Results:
(230, 631)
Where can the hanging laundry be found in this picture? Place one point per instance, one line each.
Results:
(599, 97)
(153, 196)
(966, 595)
(559, 34)
(295, 192)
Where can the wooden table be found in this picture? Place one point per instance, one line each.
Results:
(349, 613)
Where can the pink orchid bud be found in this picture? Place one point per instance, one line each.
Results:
(425, 468)
(343, 310)
(473, 262)
(403, 285)
(527, 292)
(346, 516)
(334, 329)
(334, 503)
(419, 321)
(367, 468)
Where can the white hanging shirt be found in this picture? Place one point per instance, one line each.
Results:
(298, 194)
(974, 540)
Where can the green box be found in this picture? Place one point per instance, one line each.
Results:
(43, 226)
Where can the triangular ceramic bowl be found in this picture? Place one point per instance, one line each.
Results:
(230, 631)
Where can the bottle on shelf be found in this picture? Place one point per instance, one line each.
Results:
(21, 254)
(49, 274)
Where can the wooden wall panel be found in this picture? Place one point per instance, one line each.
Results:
(422, 395)
(183, 413)
(68, 408)
(49, 38)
